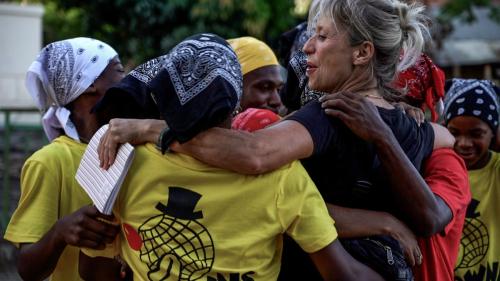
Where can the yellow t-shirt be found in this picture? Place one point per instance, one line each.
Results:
(49, 191)
(184, 218)
(479, 256)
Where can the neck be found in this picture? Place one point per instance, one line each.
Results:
(361, 79)
(86, 126)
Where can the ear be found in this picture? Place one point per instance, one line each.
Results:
(363, 53)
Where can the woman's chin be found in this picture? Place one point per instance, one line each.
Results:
(315, 87)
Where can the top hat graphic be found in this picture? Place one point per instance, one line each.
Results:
(181, 204)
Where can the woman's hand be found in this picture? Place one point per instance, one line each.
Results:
(133, 131)
(415, 112)
(407, 240)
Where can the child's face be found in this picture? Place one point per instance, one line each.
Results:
(473, 138)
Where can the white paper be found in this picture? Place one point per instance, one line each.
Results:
(101, 185)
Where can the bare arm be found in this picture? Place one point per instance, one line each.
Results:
(356, 223)
(423, 211)
(442, 137)
(334, 263)
(428, 213)
(251, 153)
(38, 260)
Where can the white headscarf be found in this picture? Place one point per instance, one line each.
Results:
(62, 71)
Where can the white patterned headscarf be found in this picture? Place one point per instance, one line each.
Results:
(62, 71)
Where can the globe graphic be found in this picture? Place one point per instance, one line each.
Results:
(474, 243)
(186, 240)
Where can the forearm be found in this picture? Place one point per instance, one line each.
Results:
(38, 260)
(223, 148)
(335, 264)
(422, 211)
(250, 153)
(355, 223)
(151, 130)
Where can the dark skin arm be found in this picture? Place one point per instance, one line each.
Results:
(422, 210)
(38, 260)
(355, 223)
(334, 263)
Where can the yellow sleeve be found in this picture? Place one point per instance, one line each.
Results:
(302, 211)
(38, 208)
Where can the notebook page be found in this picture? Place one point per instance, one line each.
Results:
(103, 185)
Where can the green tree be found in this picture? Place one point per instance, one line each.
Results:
(141, 29)
(463, 9)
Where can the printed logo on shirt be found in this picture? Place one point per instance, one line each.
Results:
(475, 239)
(488, 273)
(173, 244)
(474, 246)
(232, 277)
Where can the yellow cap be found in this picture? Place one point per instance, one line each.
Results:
(252, 53)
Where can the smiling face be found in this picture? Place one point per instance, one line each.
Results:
(472, 140)
(329, 57)
(261, 89)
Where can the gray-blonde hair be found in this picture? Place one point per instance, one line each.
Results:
(397, 30)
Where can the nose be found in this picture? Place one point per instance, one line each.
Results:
(463, 142)
(274, 99)
(308, 46)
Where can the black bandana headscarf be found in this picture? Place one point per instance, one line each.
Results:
(472, 97)
(295, 93)
(198, 87)
(292, 41)
(131, 97)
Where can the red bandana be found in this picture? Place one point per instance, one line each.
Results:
(424, 82)
(254, 119)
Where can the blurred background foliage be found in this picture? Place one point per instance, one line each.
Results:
(142, 29)
(463, 9)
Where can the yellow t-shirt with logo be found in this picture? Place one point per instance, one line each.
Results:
(182, 218)
(49, 191)
(479, 256)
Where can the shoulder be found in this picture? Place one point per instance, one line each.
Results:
(61, 154)
(401, 123)
(322, 129)
(495, 158)
(444, 156)
(445, 162)
(290, 169)
(446, 175)
(60, 147)
(292, 177)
